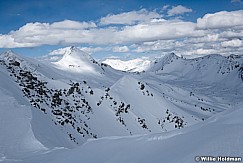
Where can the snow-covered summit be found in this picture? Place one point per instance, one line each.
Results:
(77, 60)
(9, 55)
(158, 63)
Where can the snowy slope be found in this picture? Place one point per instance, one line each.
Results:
(212, 75)
(220, 135)
(64, 104)
(15, 117)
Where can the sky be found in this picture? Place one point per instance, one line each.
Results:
(122, 28)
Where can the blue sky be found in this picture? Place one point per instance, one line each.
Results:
(20, 17)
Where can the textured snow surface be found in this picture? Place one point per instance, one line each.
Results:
(220, 135)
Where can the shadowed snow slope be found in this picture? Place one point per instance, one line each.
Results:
(16, 138)
(220, 135)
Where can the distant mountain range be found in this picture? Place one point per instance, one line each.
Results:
(133, 65)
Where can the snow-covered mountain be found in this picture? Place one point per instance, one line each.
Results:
(78, 61)
(207, 69)
(133, 65)
(50, 107)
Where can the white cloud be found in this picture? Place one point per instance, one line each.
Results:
(121, 49)
(232, 34)
(236, 1)
(130, 18)
(8, 41)
(192, 46)
(59, 51)
(232, 43)
(204, 51)
(178, 10)
(36, 34)
(89, 50)
(221, 33)
(157, 31)
(112, 57)
(69, 24)
(223, 19)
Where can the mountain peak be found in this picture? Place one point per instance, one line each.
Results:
(71, 50)
(10, 55)
(159, 63)
(77, 53)
(74, 49)
(7, 53)
(77, 60)
(171, 55)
